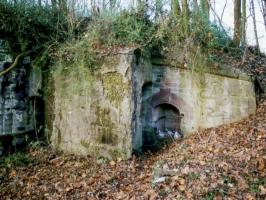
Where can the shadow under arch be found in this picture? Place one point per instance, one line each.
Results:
(164, 96)
(161, 115)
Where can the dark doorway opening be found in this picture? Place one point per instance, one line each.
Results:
(167, 118)
(162, 127)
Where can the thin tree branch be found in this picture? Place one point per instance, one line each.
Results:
(252, 12)
(222, 15)
(219, 20)
(15, 63)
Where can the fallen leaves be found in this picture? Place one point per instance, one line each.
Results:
(262, 190)
(261, 164)
(227, 162)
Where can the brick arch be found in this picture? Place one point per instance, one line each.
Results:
(166, 97)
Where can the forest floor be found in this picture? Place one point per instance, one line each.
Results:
(227, 162)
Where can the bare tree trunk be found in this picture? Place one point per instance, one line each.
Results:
(142, 6)
(54, 4)
(185, 16)
(158, 8)
(195, 6)
(112, 4)
(252, 12)
(263, 2)
(176, 8)
(63, 6)
(103, 5)
(205, 6)
(95, 10)
(237, 22)
(243, 25)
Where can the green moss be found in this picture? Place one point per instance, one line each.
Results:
(16, 159)
(49, 108)
(85, 144)
(70, 82)
(118, 153)
(114, 88)
(106, 128)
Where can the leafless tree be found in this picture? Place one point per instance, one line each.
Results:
(243, 25)
(237, 22)
(205, 6)
(252, 12)
(185, 16)
(176, 7)
(195, 5)
(263, 9)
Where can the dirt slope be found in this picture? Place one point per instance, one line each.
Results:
(228, 162)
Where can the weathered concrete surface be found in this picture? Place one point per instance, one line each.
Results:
(18, 91)
(105, 113)
(203, 99)
(93, 113)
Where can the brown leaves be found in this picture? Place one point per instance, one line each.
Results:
(150, 194)
(227, 162)
(261, 164)
(262, 190)
(182, 185)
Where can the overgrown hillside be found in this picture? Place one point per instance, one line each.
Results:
(57, 34)
(227, 162)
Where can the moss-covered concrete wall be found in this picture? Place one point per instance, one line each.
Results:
(101, 113)
(93, 110)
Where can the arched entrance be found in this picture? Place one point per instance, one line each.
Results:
(167, 118)
(161, 117)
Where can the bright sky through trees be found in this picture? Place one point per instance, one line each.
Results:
(228, 20)
(223, 8)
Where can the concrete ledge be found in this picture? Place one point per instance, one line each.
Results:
(213, 68)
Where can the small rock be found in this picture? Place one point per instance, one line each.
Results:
(159, 180)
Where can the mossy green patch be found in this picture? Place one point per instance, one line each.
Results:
(106, 128)
(70, 82)
(114, 87)
(85, 144)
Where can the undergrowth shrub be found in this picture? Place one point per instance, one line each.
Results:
(219, 38)
(16, 159)
(128, 28)
(105, 36)
(212, 37)
(27, 25)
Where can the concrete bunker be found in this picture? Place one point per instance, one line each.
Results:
(120, 107)
(143, 96)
